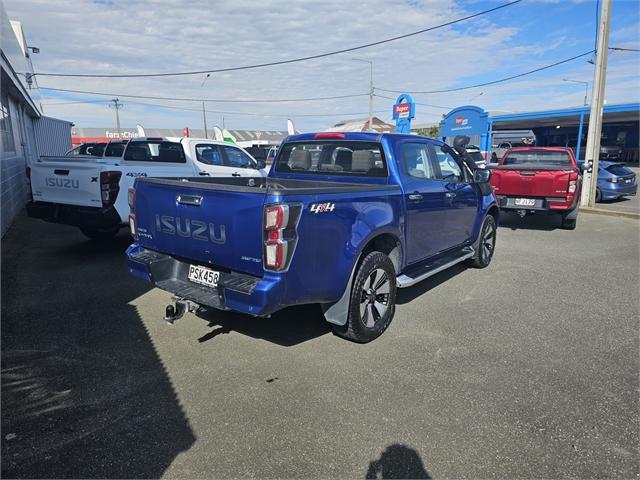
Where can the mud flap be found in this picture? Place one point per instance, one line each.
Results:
(338, 312)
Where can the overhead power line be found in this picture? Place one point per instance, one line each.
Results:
(209, 100)
(417, 103)
(281, 62)
(254, 114)
(621, 49)
(493, 82)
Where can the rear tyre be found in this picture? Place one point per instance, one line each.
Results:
(373, 300)
(99, 233)
(598, 195)
(486, 244)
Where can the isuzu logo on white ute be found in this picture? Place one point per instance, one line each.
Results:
(185, 227)
(61, 182)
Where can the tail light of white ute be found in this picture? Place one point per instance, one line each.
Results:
(109, 187)
(280, 235)
(131, 199)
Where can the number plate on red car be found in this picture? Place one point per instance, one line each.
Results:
(525, 202)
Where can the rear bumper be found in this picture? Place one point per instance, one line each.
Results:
(617, 191)
(76, 216)
(548, 204)
(259, 296)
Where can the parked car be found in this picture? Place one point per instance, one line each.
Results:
(94, 149)
(615, 181)
(86, 191)
(375, 213)
(534, 179)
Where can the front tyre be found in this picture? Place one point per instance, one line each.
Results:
(99, 233)
(373, 299)
(486, 243)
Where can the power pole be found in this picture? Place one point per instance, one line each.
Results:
(370, 62)
(371, 98)
(117, 106)
(592, 152)
(204, 120)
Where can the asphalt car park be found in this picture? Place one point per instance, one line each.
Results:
(528, 368)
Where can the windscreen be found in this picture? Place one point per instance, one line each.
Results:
(619, 170)
(539, 158)
(352, 158)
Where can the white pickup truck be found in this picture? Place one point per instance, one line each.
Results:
(91, 192)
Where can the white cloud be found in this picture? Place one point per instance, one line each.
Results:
(138, 36)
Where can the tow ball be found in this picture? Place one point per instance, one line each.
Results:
(176, 310)
(521, 213)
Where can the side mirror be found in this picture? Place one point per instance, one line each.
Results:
(261, 164)
(481, 175)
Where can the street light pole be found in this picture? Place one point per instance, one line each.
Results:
(370, 62)
(592, 152)
(586, 88)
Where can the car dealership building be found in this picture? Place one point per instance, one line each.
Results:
(565, 127)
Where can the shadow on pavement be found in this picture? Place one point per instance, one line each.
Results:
(397, 461)
(406, 295)
(84, 392)
(288, 327)
(537, 221)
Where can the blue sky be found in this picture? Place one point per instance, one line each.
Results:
(134, 36)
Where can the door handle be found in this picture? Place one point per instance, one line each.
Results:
(450, 194)
(235, 174)
(415, 196)
(204, 174)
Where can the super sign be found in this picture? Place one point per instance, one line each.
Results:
(402, 110)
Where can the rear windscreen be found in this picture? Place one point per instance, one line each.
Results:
(539, 158)
(155, 151)
(332, 158)
(619, 170)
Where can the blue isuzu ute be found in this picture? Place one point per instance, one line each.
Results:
(342, 220)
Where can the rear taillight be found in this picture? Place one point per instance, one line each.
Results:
(109, 187)
(131, 200)
(573, 182)
(280, 235)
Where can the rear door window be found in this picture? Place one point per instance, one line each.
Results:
(417, 160)
(352, 158)
(209, 154)
(155, 151)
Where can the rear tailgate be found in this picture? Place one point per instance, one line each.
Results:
(67, 182)
(201, 225)
(531, 182)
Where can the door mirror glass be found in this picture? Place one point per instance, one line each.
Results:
(261, 163)
(481, 175)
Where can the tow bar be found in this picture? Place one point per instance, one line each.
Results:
(176, 310)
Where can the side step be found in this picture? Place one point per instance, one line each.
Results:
(419, 272)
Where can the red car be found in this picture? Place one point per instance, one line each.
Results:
(533, 179)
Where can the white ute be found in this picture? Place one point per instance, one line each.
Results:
(91, 192)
